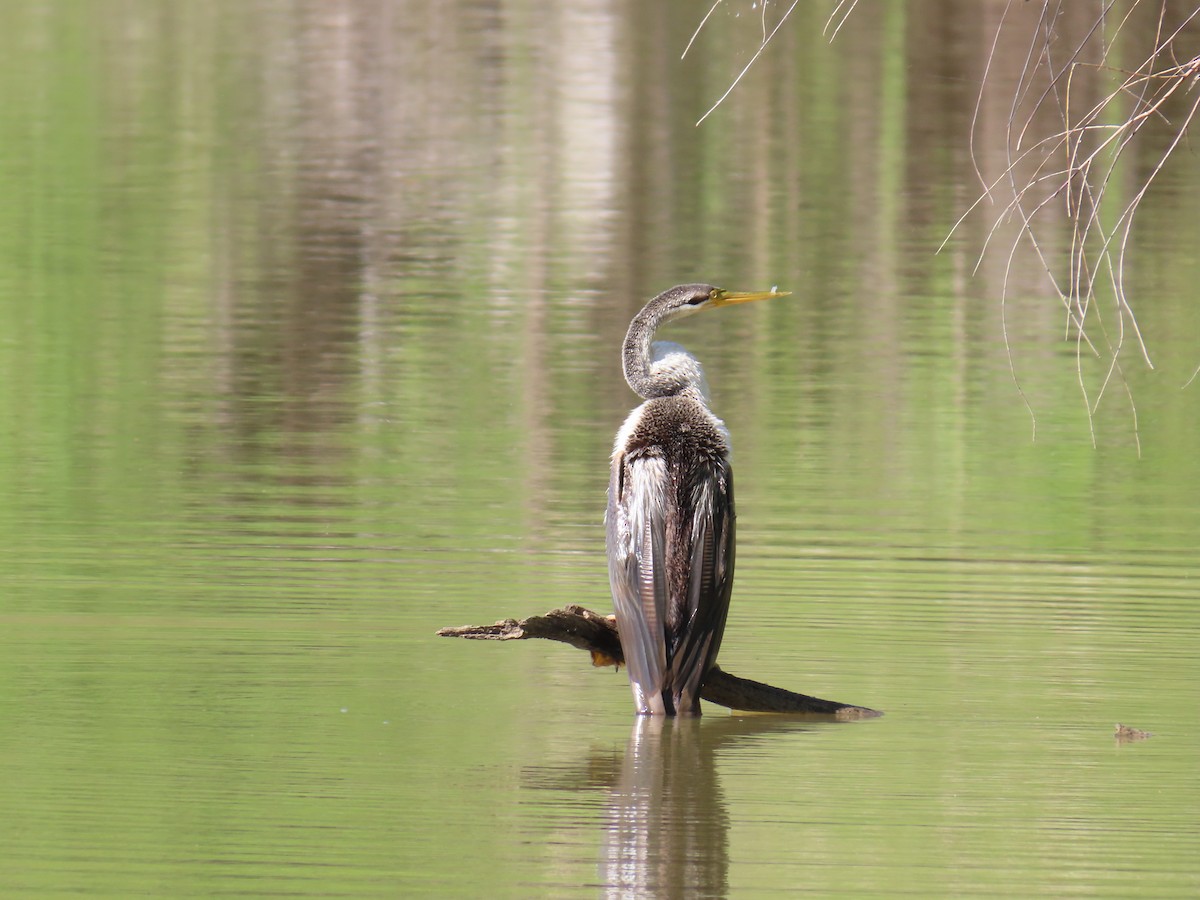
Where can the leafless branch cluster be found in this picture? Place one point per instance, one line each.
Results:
(1078, 164)
(1077, 109)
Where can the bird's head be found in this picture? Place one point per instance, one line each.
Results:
(669, 371)
(685, 299)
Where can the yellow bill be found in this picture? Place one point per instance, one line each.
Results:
(728, 298)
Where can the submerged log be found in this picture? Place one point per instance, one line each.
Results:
(597, 634)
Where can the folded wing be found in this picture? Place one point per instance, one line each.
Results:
(671, 549)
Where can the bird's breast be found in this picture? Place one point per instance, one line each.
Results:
(673, 427)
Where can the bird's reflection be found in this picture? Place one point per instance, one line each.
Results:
(667, 828)
(664, 820)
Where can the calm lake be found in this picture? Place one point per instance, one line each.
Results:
(310, 317)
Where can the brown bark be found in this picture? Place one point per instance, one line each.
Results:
(597, 634)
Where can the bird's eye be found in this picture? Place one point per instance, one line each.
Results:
(714, 294)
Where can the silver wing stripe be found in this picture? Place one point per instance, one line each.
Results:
(637, 573)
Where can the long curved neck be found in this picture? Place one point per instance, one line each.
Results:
(636, 356)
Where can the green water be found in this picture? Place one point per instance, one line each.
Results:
(309, 321)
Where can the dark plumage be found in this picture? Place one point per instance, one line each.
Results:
(670, 518)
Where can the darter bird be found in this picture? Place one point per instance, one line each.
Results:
(670, 516)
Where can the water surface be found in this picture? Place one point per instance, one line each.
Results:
(310, 320)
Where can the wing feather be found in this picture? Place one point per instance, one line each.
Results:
(636, 533)
(710, 583)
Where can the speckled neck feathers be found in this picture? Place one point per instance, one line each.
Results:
(660, 369)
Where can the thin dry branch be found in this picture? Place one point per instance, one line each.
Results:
(841, 12)
(1080, 162)
(766, 39)
(597, 634)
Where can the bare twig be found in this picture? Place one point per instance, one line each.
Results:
(695, 34)
(757, 53)
(1093, 143)
(840, 15)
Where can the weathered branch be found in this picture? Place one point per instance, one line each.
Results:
(597, 634)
